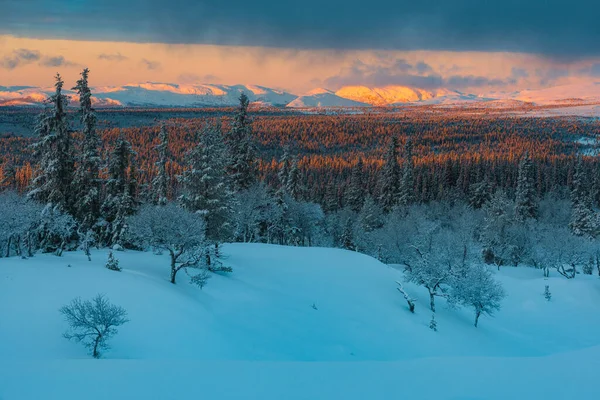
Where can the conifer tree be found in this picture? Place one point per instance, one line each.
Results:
(284, 172)
(355, 195)
(583, 218)
(389, 184)
(526, 206)
(55, 151)
(293, 184)
(242, 164)
(87, 182)
(206, 188)
(160, 182)
(406, 195)
(120, 191)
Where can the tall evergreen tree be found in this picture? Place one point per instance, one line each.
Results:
(389, 183)
(526, 205)
(160, 182)
(206, 188)
(294, 184)
(583, 218)
(406, 196)
(242, 164)
(355, 194)
(284, 173)
(87, 182)
(55, 150)
(120, 191)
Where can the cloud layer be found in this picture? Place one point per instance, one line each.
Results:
(549, 27)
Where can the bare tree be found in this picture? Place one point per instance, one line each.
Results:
(93, 322)
(477, 288)
(175, 230)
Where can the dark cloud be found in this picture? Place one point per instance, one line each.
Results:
(57, 61)
(19, 57)
(149, 64)
(548, 76)
(548, 27)
(118, 57)
(419, 75)
(518, 73)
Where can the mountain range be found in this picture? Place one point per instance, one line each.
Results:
(175, 95)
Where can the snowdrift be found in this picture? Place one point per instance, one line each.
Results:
(283, 324)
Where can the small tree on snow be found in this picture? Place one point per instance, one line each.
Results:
(477, 288)
(93, 322)
(175, 230)
(547, 293)
(433, 323)
(112, 263)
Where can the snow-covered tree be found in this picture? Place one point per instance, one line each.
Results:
(87, 182)
(294, 180)
(56, 231)
(405, 196)
(479, 194)
(93, 322)
(253, 211)
(54, 149)
(120, 192)
(478, 289)
(526, 205)
(371, 215)
(205, 187)
(584, 221)
(172, 229)
(160, 182)
(389, 179)
(495, 234)
(242, 164)
(355, 194)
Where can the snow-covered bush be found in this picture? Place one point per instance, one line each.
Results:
(174, 230)
(112, 263)
(93, 322)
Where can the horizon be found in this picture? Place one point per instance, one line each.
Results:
(259, 44)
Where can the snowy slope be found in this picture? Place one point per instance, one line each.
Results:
(254, 326)
(155, 94)
(381, 96)
(323, 98)
(577, 92)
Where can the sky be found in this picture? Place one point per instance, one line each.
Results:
(476, 46)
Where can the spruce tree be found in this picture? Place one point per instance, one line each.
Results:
(389, 184)
(242, 164)
(526, 206)
(160, 182)
(206, 188)
(406, 196)
(87, 182)
(284, 172)
(583, 218)
(120, 191)
(294, 184)
(355, 194)
(55, 151)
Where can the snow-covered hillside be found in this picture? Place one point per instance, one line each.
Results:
(323, 98)
(154, 95)
(244, 335)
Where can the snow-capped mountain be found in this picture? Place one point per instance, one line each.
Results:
(197, 95)
(154, 94)
(324, 98)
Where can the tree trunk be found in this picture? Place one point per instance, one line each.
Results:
(96, 342)
(8, 246)
(173, 266)
(432, 301)
(477, 314)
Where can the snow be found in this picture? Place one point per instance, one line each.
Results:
(324, 98)
(255, 334)
(154, 94)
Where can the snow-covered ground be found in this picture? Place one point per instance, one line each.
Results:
(255, 333)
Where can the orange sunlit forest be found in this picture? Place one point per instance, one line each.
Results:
(451, 150)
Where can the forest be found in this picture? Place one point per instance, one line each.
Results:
(438, 196)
